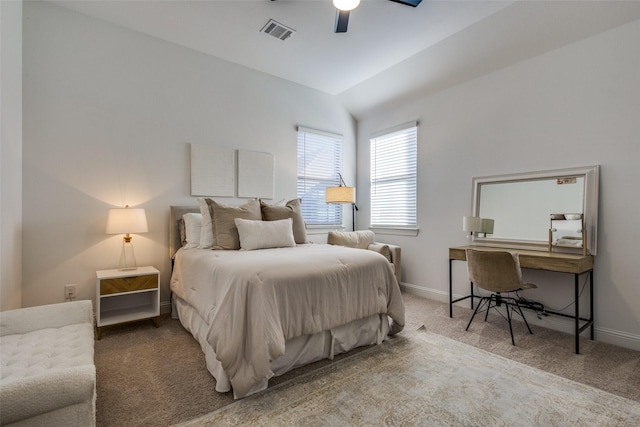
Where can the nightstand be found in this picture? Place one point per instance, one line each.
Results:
(127, 295)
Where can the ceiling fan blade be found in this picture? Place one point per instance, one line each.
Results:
(342, 20)
(413, 3)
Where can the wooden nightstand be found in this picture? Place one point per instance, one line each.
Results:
(127, 295)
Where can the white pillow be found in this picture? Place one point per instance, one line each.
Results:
(206, 234)
(265, 234)
(192, 229)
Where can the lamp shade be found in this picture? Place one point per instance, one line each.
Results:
(472, 224)
(486, 226)
(126, 220)
(346, 4)
(475, 224)
(340, 195)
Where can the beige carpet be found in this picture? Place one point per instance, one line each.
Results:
(149, 376)
(422, 378)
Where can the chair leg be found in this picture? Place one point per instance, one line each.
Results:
(510, 328)
(522, 314)
(491, 298)
(482, 300)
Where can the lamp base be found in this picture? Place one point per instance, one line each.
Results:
(127, 256)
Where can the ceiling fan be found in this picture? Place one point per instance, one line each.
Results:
(345, 6)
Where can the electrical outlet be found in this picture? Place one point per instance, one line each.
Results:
(69, 292)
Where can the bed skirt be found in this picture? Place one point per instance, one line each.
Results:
(299, 351)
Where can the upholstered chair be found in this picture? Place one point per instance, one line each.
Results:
(365, 239)
(499, 273)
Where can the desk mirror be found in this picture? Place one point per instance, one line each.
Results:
(521, 205)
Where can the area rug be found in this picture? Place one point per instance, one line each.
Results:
(421, 378)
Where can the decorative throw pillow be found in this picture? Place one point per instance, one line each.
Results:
(292, 209)
(192, 229)
(265, 234)
(183, 233)
(381, 248)
(224, 227)
(360, 239)
(207, 235)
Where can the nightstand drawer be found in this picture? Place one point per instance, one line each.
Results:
(127, 284)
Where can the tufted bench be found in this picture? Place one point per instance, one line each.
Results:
(47, 372)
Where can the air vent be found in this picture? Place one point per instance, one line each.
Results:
(277, 30)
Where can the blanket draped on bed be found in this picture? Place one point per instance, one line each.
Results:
(255, 300)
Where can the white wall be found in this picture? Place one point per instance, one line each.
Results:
(108, 115)
(576, 106)
(11, 154)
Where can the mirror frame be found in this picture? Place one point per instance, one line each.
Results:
(591, 175)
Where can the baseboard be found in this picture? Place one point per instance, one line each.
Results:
(557, 323)
(165, 307)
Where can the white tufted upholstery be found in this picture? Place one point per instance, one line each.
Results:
(47, 372)
(40, 351)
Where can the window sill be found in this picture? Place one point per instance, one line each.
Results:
(396, 231)
(323, 229)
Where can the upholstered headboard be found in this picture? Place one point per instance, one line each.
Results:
(175, 213)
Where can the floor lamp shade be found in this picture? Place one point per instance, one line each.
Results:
(125, 221)
(340, 195)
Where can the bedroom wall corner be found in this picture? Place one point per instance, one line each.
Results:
(11, 155)
(109, 114)
(573, 106)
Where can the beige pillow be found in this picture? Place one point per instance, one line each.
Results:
(265, 234)
(360, 239)
(182, 231)
(292, 209)
(381, 248)
(192, 229)
(207, 235)
(223, 219)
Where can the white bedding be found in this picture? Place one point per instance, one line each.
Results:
(254, 301)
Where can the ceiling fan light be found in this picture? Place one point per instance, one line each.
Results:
(346, 4)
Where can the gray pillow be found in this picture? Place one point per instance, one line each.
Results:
(223, 219)
(292, 209)
(182, 231)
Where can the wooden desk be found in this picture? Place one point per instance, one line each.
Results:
(539, 260)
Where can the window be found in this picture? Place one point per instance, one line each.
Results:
(319, 166)
(394, 177)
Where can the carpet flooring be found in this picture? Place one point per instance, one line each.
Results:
(421, 378)
(149, 376)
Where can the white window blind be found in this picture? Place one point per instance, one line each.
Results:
(319, 166)
(394, 177)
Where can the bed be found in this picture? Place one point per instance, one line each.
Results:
(260, 313)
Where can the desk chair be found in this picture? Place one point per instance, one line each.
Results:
(497, 272)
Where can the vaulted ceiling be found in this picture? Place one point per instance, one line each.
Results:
(390, 52)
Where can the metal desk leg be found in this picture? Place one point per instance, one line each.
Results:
(450, 288)
(591, 302)
(577, 314)
(451, 300)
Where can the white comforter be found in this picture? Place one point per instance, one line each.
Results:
(255, 300)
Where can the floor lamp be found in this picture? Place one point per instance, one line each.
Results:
(343, 194)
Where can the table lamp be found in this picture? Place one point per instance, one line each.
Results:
(475, 224)
(124, 221)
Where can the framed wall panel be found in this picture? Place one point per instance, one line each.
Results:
(212, 171)
(255, 174)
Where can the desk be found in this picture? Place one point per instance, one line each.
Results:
(539, 260)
